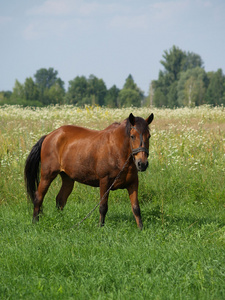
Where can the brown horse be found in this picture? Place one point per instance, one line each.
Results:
(91, 157)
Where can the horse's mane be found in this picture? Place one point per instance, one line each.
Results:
(140, 124)
(113, 126)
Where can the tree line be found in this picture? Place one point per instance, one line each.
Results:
(182, 82)
(47, 88)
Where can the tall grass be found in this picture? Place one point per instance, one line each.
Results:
(180, 254)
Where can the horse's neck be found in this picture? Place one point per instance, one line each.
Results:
(123, 139)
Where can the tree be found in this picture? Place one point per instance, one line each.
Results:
(30, 90)
(55, 95)
(191, 61)
(173, 61)
(18, 90)
(25, 94)
(128, 97)
(17, 96)
(159, 99)
(131, 94)
(191, 87)
(165, 93)
(172, 95)
(176, 62)
(45, 79)
(216, 89)
(130, 84)
(77, 90)
(111, 98)
(96, 90)
(83, 91)
(5, 97)
(161, 89)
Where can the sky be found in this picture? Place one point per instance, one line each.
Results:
(109, 39)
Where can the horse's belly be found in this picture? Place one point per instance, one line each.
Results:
(94, 183)
(83, 175)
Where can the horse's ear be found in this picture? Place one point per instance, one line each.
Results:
(150, 119)
(132, 119)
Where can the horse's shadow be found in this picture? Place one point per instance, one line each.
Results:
(155, 216)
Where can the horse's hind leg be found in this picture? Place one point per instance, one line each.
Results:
(65, 191)
(39, 196)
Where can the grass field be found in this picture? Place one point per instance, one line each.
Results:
(180, 253)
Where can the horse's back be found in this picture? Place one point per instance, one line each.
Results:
(67, 134)
(72, 132)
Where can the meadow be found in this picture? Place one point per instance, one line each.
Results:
(179, 254)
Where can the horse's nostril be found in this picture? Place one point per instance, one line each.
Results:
(142, 166)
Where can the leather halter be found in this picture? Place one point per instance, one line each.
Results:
(140, 148)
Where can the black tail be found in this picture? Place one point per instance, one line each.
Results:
(31, 170)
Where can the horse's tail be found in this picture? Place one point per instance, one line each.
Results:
(31, 170)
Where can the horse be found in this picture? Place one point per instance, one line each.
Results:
(108, 159)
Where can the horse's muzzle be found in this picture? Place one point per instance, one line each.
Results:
(141, 166)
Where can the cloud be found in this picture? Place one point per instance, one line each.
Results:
(152, 16)
(58, 17)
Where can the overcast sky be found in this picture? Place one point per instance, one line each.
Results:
(110, 39)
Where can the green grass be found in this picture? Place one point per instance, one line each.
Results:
(180, 253)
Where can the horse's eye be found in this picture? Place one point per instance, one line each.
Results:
(132, 137)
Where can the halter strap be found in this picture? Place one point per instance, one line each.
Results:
(140, 148)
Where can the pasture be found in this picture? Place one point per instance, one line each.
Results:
(179, 254)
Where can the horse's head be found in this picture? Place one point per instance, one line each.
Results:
(139, 140)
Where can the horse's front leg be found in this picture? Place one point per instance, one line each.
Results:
(133, 194)
(103, 208)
